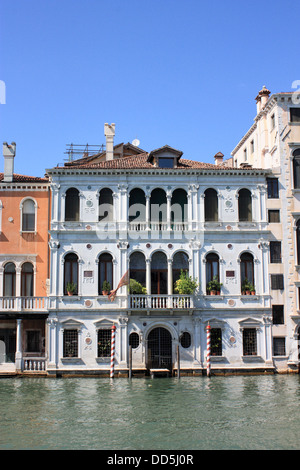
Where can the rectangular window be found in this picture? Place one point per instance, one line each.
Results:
(273, 216)
(278, 314)
(277, 282)
(295, 114)
(104, 343)
(249, 342)
(245, 155)
(252, 146)
(273, 192)
(70, 343)
(32, 341)
(272, 121)
(216, 342)
(166, 162)
(278, 346)
(275, 252)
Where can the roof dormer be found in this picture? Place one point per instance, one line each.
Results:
(165, 157)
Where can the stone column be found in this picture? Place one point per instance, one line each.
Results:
(148, 275)
(51, 342)
(170, 277)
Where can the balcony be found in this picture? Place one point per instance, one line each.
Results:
(157, 302)
(24, 304)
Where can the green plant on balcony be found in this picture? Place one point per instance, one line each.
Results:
(71, 288)
(247, 287)
(186, 285)
(136, 287)
(214, 286)
(106, 288)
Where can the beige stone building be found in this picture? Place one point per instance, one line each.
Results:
(273, 142)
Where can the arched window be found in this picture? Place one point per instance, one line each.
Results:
(298, 241)
(296, 168)
(28, 216)
(159, 273)
(211, 205)
(71, 272)
(212, 268)
(27, 280)
(137, 205)
(247, 270)
(72, 205)
(105, 271)
(179, 206)
(106, 205)
(137, 267)
(180, 263)
(245, 205)
(134, 340)
(9, 287)
(158, 209)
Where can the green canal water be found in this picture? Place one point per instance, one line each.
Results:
(237, 412)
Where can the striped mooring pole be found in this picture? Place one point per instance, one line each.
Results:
(208, 350)
(112, 352)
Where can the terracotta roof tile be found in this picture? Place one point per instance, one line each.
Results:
(25, 179)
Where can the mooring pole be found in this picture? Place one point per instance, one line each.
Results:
(112, 352)
(130, 362)
(208, 350)
(178, 362)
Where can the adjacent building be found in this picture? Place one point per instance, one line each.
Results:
(24, 268)
(273, 142)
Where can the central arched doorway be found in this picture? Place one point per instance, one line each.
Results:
(159, 349)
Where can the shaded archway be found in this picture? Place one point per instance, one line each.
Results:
(159, 273)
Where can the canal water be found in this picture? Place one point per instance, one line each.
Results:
(190, 413)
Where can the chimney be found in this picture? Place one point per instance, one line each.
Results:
(9, 152)
(109, 131)
(262, 98)
(218, 158)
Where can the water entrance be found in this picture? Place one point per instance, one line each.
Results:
(159, 349)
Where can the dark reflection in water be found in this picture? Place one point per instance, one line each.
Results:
(260, 412)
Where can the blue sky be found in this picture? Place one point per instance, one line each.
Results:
(178, 72)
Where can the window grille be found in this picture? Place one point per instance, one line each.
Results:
(70, 343)
(104, 343)
(249, 342)
(216, 341)
(272, 184)
(278, 314)
(275, 252)
(277, 282)
(134, 340)
(278, 346)
(185, 339)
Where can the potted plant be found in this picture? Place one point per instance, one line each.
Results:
(71, 288)
(186, 285)
(214, 286)
(246, 285)
(106, 288)
(252, 288)
(136, 287)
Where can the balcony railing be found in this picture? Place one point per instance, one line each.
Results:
(161, 302)
(34, 364)
(37, 304)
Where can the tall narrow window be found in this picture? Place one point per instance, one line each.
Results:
(245, 205)
(105, 271)
(104, 343)
(298, 241)
(137, 267)
(71, 272)
(273, 191)
(296, 168)
(28, 216)
(180, 263)
(211, 205)
(27, 280)
(72, 205)
(247, 270)
(70, 343)
(275, 252)
(137, 206)
(212, 268)
(179, 207)
(216, 342)
(158, 209)
(9, 288)
(249, 342)
(106, 207)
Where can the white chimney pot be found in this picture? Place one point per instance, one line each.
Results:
(109, 132)
(9, 152)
